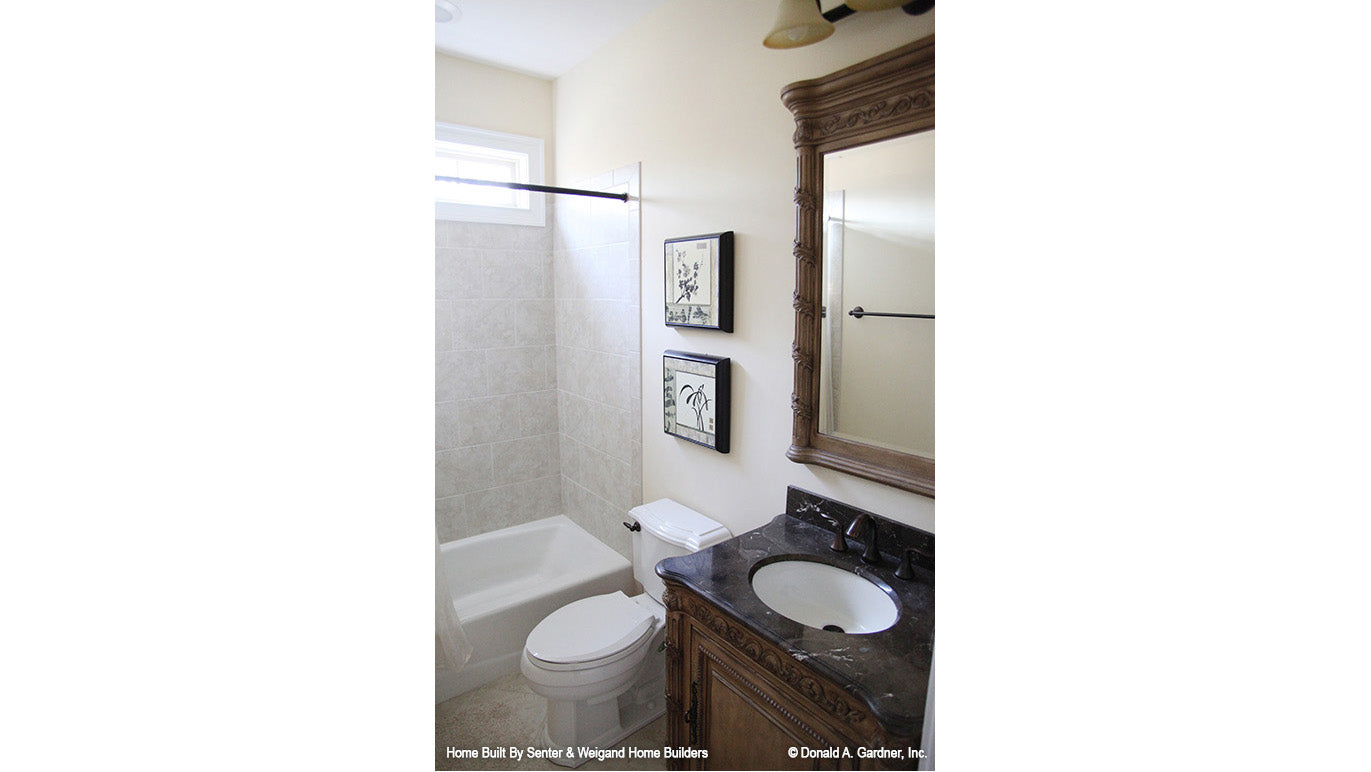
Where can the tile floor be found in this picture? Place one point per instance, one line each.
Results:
(507, 713)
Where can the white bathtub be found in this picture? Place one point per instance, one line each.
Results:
(505, 582)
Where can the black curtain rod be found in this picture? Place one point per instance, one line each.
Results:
(535, 188)
(859, 312)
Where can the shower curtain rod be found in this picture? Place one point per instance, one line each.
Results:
(534, 188)
(859, 312)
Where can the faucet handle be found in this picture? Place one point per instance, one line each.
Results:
(906, 567)
(905, 570)
(839, 543)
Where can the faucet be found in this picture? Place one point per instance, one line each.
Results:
(864, 522)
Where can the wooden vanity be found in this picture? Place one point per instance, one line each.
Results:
(747, 702)
(746, 687)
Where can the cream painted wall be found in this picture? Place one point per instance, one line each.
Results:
(474, 94)
(691, 93)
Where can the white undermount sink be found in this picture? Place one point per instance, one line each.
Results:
(823, 596)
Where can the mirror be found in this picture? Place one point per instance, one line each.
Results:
(876, 344)
(863, 352)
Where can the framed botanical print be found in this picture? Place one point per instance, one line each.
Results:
(696, 398)
(699, 281)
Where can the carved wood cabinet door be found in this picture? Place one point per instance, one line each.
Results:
(745, 720)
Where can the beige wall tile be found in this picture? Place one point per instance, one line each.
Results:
(526, 458)
(463, 470)
(458, 274)
(461, 374)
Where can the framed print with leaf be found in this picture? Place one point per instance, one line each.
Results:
(699, 281)
(695, 392)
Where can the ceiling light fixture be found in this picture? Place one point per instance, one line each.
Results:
(445, 11)
(873, 5)
(798, 23)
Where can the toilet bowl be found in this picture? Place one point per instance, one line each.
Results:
(591, 647)
(599, 660)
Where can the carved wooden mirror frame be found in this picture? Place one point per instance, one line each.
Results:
(890, 95)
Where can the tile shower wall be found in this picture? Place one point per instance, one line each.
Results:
(498, 457)
(596, 265)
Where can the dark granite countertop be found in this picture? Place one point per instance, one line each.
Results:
(887, 670)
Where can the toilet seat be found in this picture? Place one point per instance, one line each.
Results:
(590, 632)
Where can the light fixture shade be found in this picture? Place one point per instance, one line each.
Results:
(798, 23)
(874, 5)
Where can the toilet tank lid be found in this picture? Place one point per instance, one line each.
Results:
(678, 524)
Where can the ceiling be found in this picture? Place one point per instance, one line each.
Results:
(539, 37)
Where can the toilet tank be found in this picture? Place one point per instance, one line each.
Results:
(669, 530)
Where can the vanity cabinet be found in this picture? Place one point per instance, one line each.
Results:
(747, 702)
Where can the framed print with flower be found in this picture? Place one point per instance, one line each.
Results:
(699, 281)
(695, 398)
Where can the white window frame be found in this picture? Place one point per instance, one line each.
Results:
(532, 209)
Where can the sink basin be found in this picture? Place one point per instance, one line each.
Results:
(820, 595)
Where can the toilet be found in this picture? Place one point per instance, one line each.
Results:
(599, 660)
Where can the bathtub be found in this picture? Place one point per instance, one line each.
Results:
(504, 583)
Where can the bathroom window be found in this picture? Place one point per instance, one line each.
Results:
(462, 151)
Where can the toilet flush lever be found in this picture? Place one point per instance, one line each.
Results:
(635, 527)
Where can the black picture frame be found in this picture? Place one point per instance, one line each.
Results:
(702, 385)
(698, 286)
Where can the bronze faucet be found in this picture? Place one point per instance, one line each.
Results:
(864, 522)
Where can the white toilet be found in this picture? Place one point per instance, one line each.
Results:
(599, 660)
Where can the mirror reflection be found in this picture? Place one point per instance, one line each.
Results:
(876, 364)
